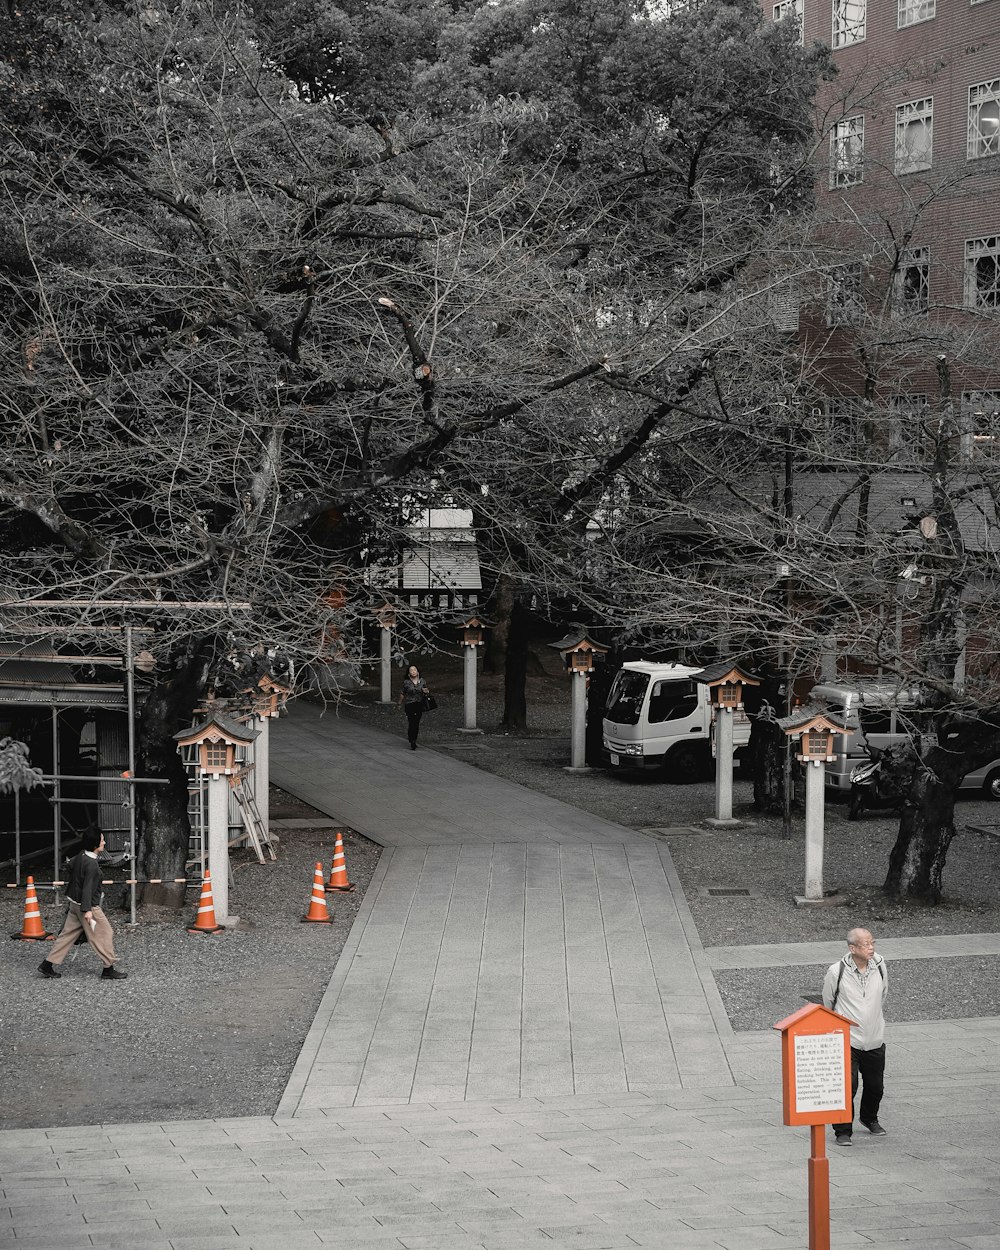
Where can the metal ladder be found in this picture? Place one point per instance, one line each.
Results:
(253, 825)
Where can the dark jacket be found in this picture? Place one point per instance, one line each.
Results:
(414, 691)
(83, 885)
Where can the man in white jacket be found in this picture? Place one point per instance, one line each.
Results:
(856, 986)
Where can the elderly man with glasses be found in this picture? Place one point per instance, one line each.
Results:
(856, 986)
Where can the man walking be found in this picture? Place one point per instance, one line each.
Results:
(856, 986)
(83, 894)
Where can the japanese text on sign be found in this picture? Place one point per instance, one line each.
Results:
(820, 1073)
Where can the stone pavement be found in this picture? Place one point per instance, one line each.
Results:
(521, 1045)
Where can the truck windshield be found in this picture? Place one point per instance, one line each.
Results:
(626, 697)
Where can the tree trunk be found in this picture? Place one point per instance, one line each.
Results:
(500, 608)
(926, 829)
(164, 828)
(515, 706)
(767, 750)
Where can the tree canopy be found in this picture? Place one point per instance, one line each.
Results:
(268, 275)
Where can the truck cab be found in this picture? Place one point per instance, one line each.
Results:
(657, 716)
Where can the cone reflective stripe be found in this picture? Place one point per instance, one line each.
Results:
(318, 912)
(338, 871)
(204, 921)
(32, 930)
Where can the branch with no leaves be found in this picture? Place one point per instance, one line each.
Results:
(423, 454)
(423, 374)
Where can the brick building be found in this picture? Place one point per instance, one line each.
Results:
(908, 192)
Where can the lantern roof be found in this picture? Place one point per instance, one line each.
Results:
(727, 671)
(809, 718)
(578, 641)
(267, 682)
(213, 729)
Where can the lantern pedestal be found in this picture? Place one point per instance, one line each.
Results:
(218, 849)
(723, 818)
(262, 771)
(385, 664)
(470, 691)
(815, 895)
(578, 748)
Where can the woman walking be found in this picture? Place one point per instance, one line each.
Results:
(412, 697)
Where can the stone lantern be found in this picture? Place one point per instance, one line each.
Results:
(815, 732)
(473, 636)
(725, 682)
(216, 740)
(580, 655)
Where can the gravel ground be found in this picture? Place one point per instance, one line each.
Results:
(212, 1026)
(205, 1025)
(919, 989)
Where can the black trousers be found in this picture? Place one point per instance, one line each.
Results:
(869, 1065)
(413, 711)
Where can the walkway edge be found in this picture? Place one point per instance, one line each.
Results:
(702, 966)
(289, 1102)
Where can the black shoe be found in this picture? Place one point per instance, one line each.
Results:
(413, 746)
(874, 1128)
(843, 1139)
(112, 974)
(48, 970)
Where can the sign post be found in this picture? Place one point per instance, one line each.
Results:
(816, 1090)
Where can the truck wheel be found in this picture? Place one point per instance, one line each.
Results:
(685, 763)
(991, 786)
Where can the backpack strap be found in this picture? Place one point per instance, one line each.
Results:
(836, 991)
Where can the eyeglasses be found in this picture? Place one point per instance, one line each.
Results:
(863, 945)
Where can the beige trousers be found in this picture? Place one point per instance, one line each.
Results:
(101, 938)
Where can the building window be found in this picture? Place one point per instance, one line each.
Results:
(790, 9)
(982, 273)
(843, 295)
(841, 433)
(912, 11)
(914, 135)
(984, 120)
(783, 307)
(980, 420)
(912, 285)
(848, 22)
(847, 151)
(907, 432)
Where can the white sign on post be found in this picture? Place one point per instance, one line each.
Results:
(819, 1071)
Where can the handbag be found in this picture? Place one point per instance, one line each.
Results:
(430, 703)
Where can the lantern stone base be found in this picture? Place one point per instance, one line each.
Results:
(583, 768)
(722, 822)
(469, 731)
(830, 899)
(230, 922)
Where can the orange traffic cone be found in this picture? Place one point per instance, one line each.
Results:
(204, 921)
(318, 912)
(338, 871)
(32, 930)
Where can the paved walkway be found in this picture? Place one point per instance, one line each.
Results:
(521, 1045)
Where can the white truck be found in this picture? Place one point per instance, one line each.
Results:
(658, 717)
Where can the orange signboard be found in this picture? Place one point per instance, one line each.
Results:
(815, 1066)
